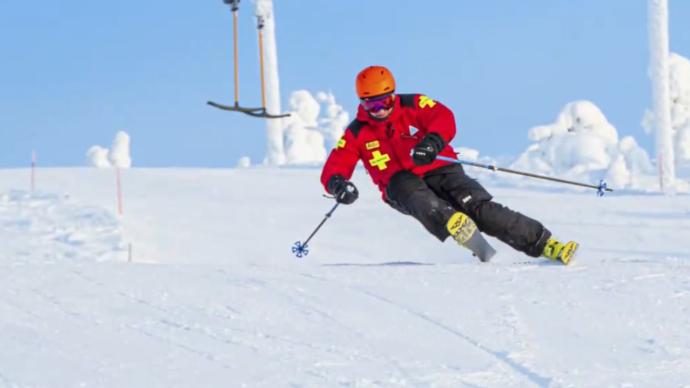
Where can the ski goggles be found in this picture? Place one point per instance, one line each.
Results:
(375, 104)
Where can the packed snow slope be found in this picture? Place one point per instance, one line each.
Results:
(214, 298)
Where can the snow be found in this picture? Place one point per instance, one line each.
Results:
(581, 139)
(313, 120)
(303, 138)
(661, 100)
(582, 145)
(98, 157)
(213, 296)
(275, 153)
(304, 144)
(335, 119)
(42, 228)
(467, 153)
(244, 162)
(679, 72)
(679, 85)
(119, 153)
(117, 156)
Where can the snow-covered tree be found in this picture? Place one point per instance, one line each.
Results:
(119, 153)
(582, 144)
(314, 126)
(98, 157)
(659, 74)
(117, 156)
(334, 120)
(275, 153)
(303, 142)
(679, 88)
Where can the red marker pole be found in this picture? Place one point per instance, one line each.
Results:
(119, 190)
(33, 170)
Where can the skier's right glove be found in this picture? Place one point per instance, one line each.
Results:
(426, 150)
(344, 191)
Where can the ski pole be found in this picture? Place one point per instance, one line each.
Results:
(300, 249)
(601, 188)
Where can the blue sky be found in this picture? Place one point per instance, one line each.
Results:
(74, 72)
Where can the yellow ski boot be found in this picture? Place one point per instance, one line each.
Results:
(557, 251)
(465, 232)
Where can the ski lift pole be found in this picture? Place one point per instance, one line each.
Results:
(602, 188)
(300, 249)
(260, 26)
(234, 7)
(256, 112)
(235, 53)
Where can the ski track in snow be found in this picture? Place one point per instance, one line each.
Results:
(533, 377)
(210, 301)
(357, 334)
(165, 320)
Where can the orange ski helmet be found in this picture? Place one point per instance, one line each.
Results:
(374, 81)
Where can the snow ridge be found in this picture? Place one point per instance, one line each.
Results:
(58, 228)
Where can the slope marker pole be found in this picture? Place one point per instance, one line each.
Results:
(33, 171)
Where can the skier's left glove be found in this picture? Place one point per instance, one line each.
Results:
(344, 191)
(426, 150)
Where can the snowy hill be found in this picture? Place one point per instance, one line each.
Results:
(213, 296)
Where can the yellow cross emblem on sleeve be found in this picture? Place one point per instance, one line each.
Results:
(425, 101)
(379, 160)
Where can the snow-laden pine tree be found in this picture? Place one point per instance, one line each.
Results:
(659, 73)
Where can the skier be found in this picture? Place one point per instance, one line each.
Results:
(397, 137)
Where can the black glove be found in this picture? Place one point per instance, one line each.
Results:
(426, 150)
(343, 190)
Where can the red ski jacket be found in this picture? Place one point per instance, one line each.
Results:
(384, 146)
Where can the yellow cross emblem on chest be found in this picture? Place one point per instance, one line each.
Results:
(379, 160)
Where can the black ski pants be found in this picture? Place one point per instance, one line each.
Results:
(443, 191)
